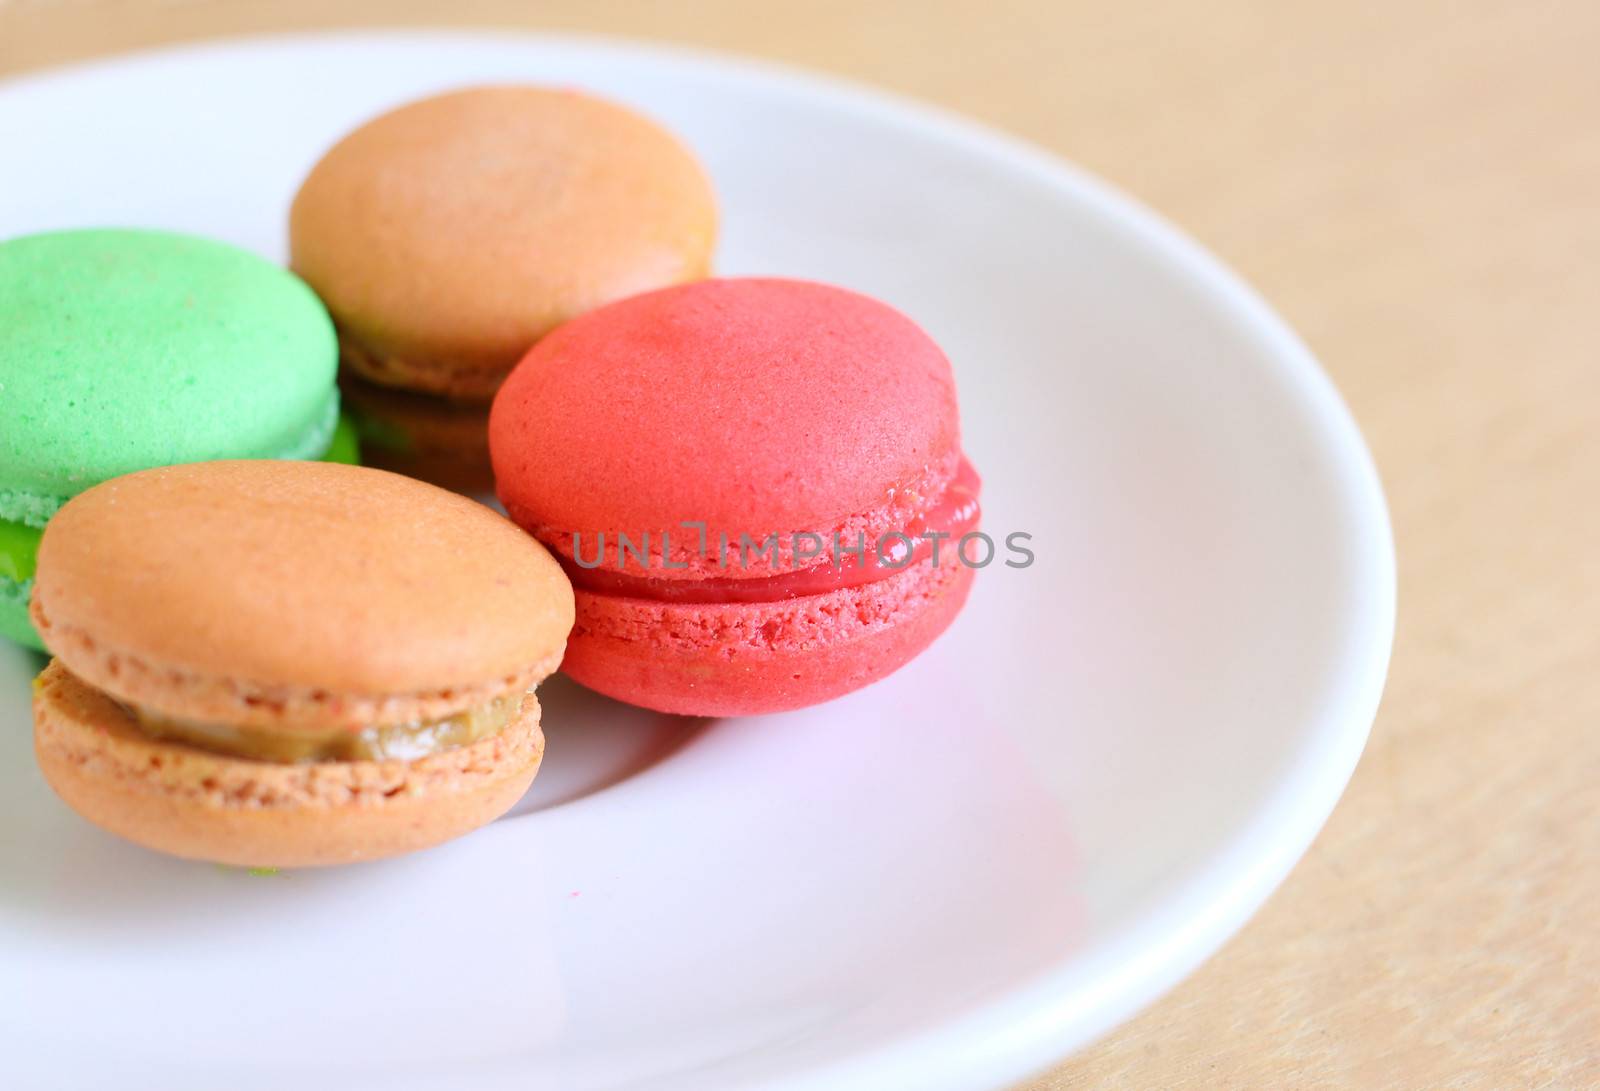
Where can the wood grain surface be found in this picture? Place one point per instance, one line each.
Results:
(1416, 186)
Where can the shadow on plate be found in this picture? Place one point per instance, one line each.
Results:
(593, 743)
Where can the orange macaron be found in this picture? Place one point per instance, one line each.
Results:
(448, 236)
(291, 664)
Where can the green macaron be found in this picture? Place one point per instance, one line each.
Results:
(126, 349)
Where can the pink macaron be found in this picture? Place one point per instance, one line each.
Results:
(756, 485)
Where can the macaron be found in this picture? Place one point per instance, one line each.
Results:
(125, 349)
(757, 487)
(282, 664)
(449, 235)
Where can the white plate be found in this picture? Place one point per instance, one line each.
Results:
(946, 881)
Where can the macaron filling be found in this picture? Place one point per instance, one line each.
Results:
(19, 548)
(344, 446)
(407, 741)
(19, 551)
(932, 536)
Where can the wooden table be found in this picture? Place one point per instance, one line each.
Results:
(1417, 187)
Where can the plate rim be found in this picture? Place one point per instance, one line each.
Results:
(1046, 1019)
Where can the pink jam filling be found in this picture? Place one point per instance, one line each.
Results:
(955, 513)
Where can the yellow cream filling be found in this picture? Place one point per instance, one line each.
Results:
(375, 742)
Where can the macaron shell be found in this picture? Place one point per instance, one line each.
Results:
(752, 405)
(203, 806)
(296, 594)
(749, 659)
(122, 349)
(452, 233)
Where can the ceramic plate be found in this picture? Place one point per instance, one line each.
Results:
(948, 880)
